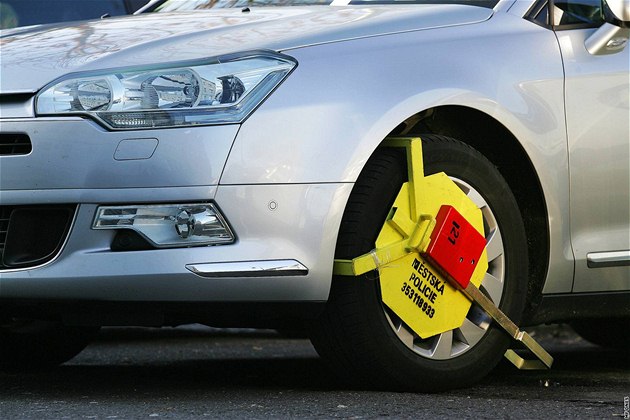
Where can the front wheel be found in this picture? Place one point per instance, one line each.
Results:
(364, 339)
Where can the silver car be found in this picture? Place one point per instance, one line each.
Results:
(210, 166)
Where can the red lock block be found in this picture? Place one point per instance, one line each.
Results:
(456, 246)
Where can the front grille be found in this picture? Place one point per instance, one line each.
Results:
(15, 144)
(32, 235)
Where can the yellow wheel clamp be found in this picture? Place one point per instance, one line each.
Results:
(431, 257)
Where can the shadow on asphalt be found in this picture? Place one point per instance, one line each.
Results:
(189, 361)
(195, 372)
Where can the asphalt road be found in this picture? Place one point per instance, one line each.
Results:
(194, 372)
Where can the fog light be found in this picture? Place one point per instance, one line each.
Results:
(168, 225)
(185, 224)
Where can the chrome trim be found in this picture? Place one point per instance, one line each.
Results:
(163, 242)
(19, 92)
(269, 268)
(608, 259)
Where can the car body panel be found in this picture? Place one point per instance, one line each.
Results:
(598, 132)
(86, 268)
(149, 39)
(279, 207)
(91, 157)
(107, 195)
(522, 91)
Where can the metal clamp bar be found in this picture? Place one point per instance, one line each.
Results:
(544, 359)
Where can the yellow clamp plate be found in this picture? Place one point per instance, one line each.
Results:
(410, 286)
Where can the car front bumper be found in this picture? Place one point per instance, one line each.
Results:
(285, 233)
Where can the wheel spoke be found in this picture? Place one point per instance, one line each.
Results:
(405, 335)
(494, 245)
(493, 286)
(471, 332)
(444, 346)
(476, 198)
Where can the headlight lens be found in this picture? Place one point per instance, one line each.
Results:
(223, 91)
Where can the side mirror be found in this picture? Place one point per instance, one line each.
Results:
(617, 12)
(612, 36)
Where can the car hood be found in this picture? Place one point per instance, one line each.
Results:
(33, 58)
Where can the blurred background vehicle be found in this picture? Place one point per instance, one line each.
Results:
(17, 13)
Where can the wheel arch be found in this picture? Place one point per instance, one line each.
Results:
(495, 141)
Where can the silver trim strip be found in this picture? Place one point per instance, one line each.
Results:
(19, 92)
(608, 259)
(269, 268)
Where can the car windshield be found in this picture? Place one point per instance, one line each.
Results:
(178, 5)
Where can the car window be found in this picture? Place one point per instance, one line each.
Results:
(578, 12)
(539, 13)
(14, 13)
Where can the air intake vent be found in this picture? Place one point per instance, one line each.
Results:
(15, 144)
(32, 235)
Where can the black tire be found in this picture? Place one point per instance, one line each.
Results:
(612, 333)
(35, 344)
(356, 332)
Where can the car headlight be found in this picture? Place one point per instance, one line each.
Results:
(220, 91)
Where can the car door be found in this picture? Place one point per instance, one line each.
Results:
(597, 114)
